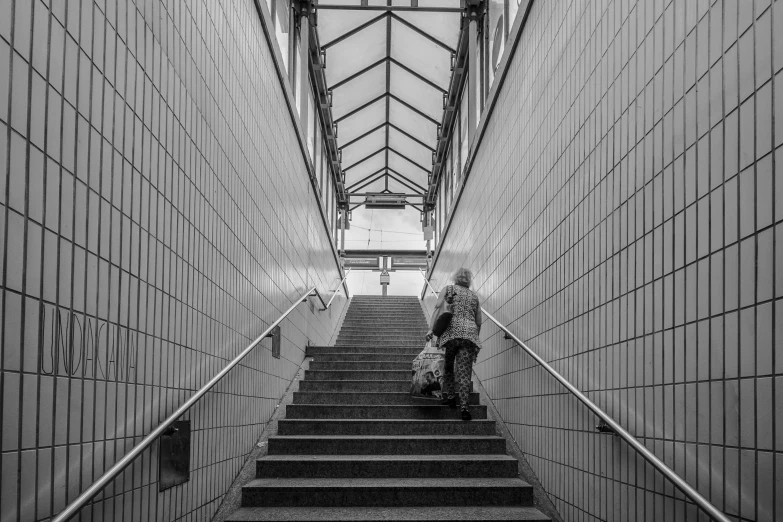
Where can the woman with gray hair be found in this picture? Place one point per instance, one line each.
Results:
(461, 338)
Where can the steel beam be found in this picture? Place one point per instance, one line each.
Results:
(345, 169)
(401, 182)
(382, 125)
(365, 194)
(408, 135)
(418, 76)
(390, 8)
(357, 74)
(409, 160)
(406, 179)
(348, 194)
(414, 109)
(424, 33)
(360, 108)
(353, 31)
(379, 171)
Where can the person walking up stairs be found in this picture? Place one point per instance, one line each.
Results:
(355, 445)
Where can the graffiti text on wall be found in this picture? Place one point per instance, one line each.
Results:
(74, 344)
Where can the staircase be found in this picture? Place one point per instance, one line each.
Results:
(356, 446)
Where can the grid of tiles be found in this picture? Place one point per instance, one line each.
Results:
(623, 215)
(156, 214)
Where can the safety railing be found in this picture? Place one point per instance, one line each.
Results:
(649, 456)
(74, 507)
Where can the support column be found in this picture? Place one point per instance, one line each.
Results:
(304, 61)
(473, 71)
(385, 276)
(428, 224)
(343, 218)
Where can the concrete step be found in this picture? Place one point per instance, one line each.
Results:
(386, 305)
(361, 365)
(384, 322)
(398, 398)
(315, 351)
(364, 357)
(356, 386)
(386, 466)
(385, 344)
(383, 319)
(399, 316)
(375, 337)
(250, 514)
(370, 411)
(367, 375)
(384, 329)
(387, 445)
(408, 492)
(386, 311)
(373, 296)
(385, 427)
(383, 307)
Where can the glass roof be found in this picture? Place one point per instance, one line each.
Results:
(388, 72)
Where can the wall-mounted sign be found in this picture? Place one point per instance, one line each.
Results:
(368, 263)
(411, 263)
(385, 279)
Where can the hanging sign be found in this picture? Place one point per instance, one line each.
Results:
(410, 263)
(368, 263)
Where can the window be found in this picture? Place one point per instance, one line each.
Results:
(455, 143)
(317, 145)
(463, 129)
(311, 118)
(324, 167)
(448, 177)
(497, 35)
(282, 27)
(513, 7)
(328, 199)
(297, 76)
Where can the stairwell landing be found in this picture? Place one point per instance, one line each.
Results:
(356, 446)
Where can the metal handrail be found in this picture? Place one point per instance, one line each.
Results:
(338, 289)
(649, 456)
(74, 507)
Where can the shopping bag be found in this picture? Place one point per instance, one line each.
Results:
(427, 374)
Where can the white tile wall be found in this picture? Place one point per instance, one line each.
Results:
(623, 216)
(156, 215)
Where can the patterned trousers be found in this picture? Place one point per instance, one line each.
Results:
(460, 355)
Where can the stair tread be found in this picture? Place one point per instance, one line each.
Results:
(360, 405)
(349, 458)
(416, 483)
(402, 358)
(358, 380)
(247, 514)
(390, 421)
(375, 393)
(308, 475)
(386, 437)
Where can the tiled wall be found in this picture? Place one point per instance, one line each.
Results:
(624, 216)
(157, 215)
